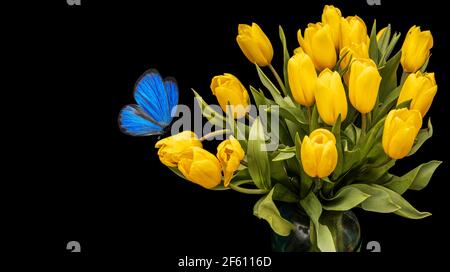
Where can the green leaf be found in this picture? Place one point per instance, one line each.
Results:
(243, 174)
(373, 46)
(384, 40)
(258, 160)
(313, 209)
(265, 209)
(389, 76)
(271, 87)
(314, 119)
(404, 104)
(345, 199)
(282, 193)
(387, 53)
(372, 137)
(285, 60)
(278, 171)
(351, 157)
(337, 133)
(406, 210)
(379, 200)
(375, 174)
(284, 156)
(352, 133)
(383, 108)
(416, 179)
(291, 114)
(213, 116)
(384, 200)
(424, 134)
(259, 98)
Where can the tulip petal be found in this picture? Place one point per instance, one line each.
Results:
(308, 159)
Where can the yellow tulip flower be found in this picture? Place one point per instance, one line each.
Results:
(318, 153)
(332, 17)
(416, 49)
(254, 44)
(363, 84)
(171, 148)
(200, 167)
(230, 91)
(421, 88)
(400, 129)
(230, 155)
(330, 97)
(353, 30)
(302, 78)
(318, 44)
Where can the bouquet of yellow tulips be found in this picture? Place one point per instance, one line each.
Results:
(340, 117)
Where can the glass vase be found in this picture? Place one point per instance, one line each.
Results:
(343, 225)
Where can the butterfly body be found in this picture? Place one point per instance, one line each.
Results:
(155, 98)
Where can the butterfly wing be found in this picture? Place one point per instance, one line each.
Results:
(171, 87)
(151, 96)
(134, 121)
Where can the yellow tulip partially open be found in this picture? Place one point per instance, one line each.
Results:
(416, 49)
(254, 44)
(353, 30)
(363, 84)
(330, 97)
(171, 148)
(319, 153)
(302, 78)
(230, 155)
(230, 93)
(332, 17)
(318, 44)
(200, 167)
(400, 130)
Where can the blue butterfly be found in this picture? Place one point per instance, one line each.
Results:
(155, 99)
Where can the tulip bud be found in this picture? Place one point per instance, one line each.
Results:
(254, 44)
(230, 155)
(302, 78)
(421, 88)
(171, 148)
(416, 49)
(330, 97)
(332, 17)
(230, 93)
(200, 167)
(400, 130)
(363, 84)
(319, 154)
(318, 44)
(353, 30)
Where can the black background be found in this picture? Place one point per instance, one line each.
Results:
(109, 191)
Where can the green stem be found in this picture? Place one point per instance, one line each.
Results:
(249, 117)
(235, 186)
(215, 133)
(244, 163)
(363, 123)
(318, 183)
(308, 109)
(278, 78)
